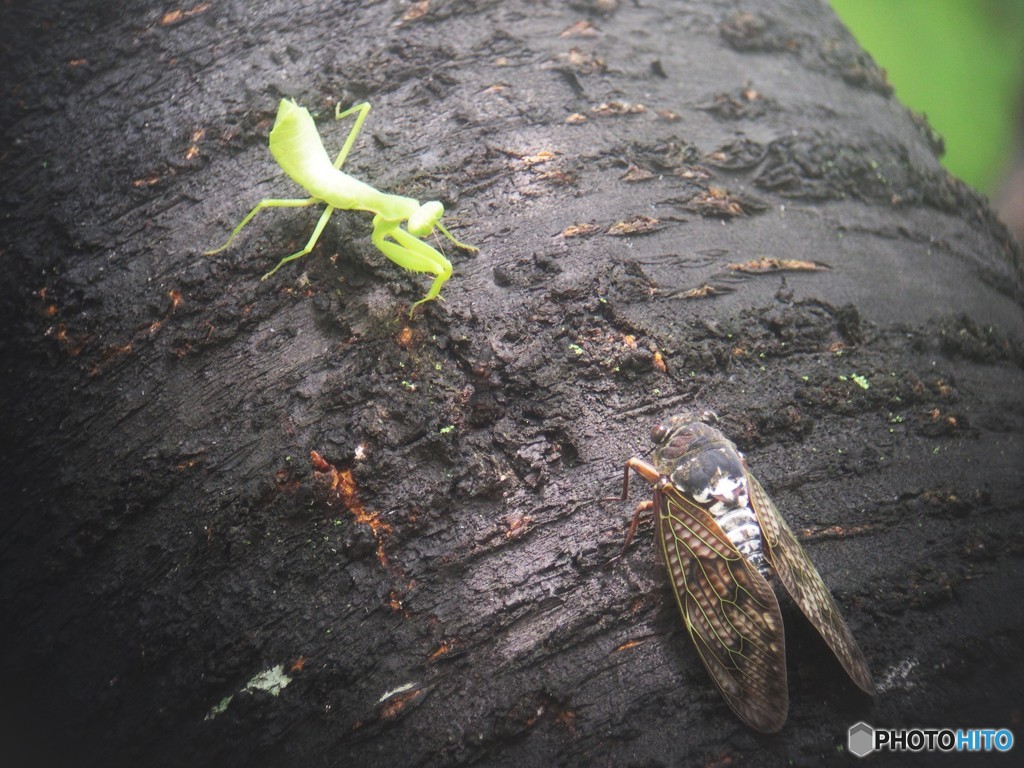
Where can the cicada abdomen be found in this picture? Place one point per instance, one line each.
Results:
(723, 540)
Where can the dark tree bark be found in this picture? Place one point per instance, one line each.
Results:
(710, 204)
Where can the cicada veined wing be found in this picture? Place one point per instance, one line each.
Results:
(804, 584)
(730, 610)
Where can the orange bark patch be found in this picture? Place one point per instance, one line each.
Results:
(342, 485)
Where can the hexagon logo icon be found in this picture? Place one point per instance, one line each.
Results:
(860, 739)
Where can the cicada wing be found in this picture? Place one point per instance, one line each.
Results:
(730, 611)
(803, 582)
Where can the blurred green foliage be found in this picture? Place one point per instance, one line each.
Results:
(961, 63)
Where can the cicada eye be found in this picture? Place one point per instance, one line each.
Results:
(659, 433)
(709, 417)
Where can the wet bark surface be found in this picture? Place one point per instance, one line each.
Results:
(279, 523)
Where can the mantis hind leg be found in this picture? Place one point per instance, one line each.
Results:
(409, 252)
(363, 110)
(317, 231)
(269, 203)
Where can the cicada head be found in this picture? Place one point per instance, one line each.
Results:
(673, 438)
(688, 448)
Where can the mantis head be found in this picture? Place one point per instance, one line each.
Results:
(423, 221)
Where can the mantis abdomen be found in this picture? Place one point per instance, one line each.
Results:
(296, 145)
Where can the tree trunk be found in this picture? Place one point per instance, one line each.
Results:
(279, 523)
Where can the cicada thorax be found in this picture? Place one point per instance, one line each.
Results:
(707, 467)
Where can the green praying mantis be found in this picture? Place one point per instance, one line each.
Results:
(296, 146)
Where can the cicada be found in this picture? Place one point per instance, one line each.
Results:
(724, 543)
